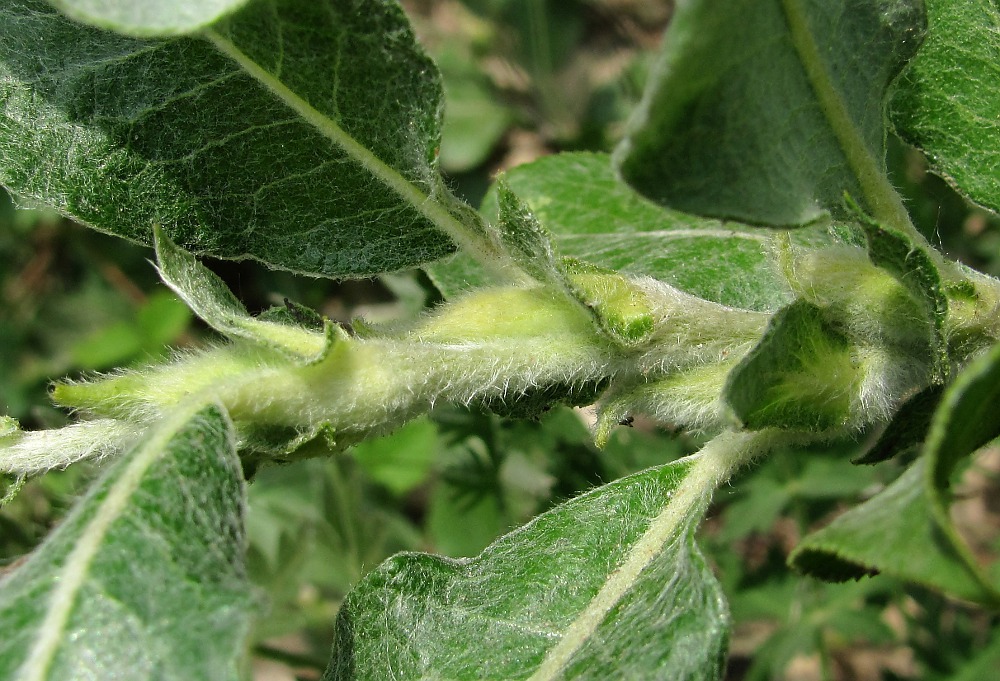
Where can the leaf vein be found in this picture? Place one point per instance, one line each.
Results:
(466, 236)
(70, 580)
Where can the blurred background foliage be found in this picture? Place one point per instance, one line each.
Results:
(523, 78)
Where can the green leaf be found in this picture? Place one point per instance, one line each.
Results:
(946, 102)
(145, 578)
(801, 375)
(149, 17)
(914, 268)
(689, 398)
(893, 533)
(594, 216)
(906, 530)
(286, 443)
(757, 510)
(523, 237)
(769, 111)
(160, 320)
(621, 308)
(965, 421)
(8, 426)
(475, 118)
(982, 664)
(109, 347)
(908, 427)
(402, 460)
(209, 297)
(458, 526)
(608, 585)
(263, 137)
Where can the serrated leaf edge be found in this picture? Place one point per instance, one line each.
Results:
(978, 371)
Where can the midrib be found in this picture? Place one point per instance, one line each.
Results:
(71, 578)
(466, 238)
(879, 195)
(713, 465)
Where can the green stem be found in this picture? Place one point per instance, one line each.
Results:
(493, 345)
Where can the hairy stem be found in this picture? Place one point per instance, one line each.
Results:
(496, 346)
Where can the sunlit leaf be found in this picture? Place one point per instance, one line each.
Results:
(946, 102)
(145, 579)
(608, 585)
(301, 134)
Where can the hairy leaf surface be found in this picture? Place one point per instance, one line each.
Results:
(800, 376)
(145, 579)
(906, 530)
(210, 298)
(908, 427)
(551, 599)
(894, 533)
(149, 17)
(264, 137)
(529, 244)
(966, 420)
(946, 102)
(914, 268)
(768, 111)
(593, 215)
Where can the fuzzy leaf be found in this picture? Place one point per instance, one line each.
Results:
(145, 578)
(906, 530)
(149, 17)
(8, 426)
(594, 216)
(800, 376)
(907, 429)
(210, 298)
(946, 101)
(540, 598)
(263, 137)
(523, 237)
(620, 308)
(914, 268)
(894, 533)
(966, 420)
(769, 111)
